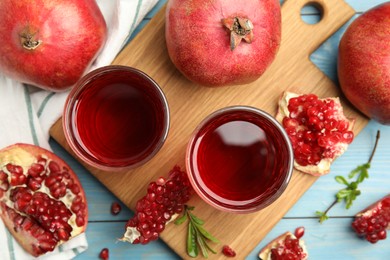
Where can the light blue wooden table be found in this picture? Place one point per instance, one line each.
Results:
(333, 239)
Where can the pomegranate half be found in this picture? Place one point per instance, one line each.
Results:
(318, 130)
(222, 42)
(42, 202)
(49, 43)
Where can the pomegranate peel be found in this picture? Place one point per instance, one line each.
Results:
(285, 244)
(317, 128)
(42, 202)
(372, 222)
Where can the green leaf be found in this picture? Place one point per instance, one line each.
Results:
(192, 249)
(210, 249)
(181, 220)
(322, 216)
(355, 171)
(206, 234)
(202, 245)
(343, 193)
(363, 175)
(196, 219)
(341, 180)
(353, 185)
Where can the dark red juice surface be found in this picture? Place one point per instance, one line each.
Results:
(239, 159)
(118, 120)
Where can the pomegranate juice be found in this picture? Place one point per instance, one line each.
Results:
(238, 159)
(119, 119)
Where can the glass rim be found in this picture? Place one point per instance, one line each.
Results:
(68, 117)
(224, 206)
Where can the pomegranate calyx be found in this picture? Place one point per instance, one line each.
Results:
(28, 41)
(240, 29)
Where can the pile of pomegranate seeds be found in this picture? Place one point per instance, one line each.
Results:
(372, 223)
(164, 198)
(317, 128)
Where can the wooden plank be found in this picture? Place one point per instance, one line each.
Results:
(291, 70)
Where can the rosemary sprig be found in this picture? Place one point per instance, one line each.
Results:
(197, 236)
(351, 191)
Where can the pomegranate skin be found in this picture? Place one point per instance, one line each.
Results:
(198, 43)
(364, 63)
(70, 34)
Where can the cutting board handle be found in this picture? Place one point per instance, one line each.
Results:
(334, 13)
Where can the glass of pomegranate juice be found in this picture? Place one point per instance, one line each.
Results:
(116, 118)
(239, 159)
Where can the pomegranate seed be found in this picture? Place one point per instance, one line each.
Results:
(54, 167)
(115, 208)
(299, 232)
(36, 169)
(104, 254)
(227, 251)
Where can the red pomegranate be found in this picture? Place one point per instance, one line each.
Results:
(364, 63)
(49, 43)
(286, 246)
(372, 222)
(218, 43)
(164, 200)
(318, 130)
(42, 202)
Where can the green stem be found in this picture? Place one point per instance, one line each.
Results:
(369, 161)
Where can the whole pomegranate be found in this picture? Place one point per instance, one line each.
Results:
(42, 202)
(222, 42)
(364, 63)
(49, 43)
(318, 130)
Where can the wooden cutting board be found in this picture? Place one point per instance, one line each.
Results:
(190, 103)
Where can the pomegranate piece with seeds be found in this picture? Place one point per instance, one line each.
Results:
(164, 200)
(318, 130)
(372, 222)
(42, 202)
(286, 246)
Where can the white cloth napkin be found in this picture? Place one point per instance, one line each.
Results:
(27, 113)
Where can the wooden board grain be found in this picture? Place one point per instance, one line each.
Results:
(190, 103)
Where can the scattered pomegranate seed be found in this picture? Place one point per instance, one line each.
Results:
(228, 251)
(115, 208)
(104, 254)
(299, 232)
